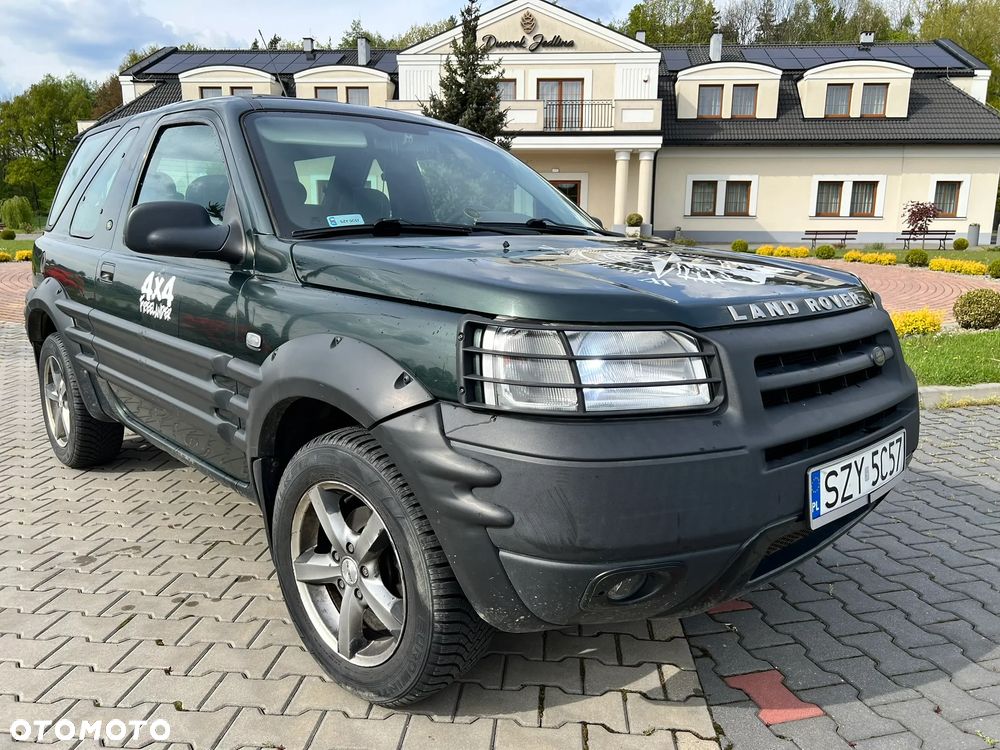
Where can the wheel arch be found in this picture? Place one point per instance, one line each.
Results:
(315, 384)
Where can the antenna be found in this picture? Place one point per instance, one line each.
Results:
(271, 55)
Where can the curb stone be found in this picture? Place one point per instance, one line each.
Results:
(937, 396)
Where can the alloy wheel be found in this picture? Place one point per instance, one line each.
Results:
(55, 390)
(347, 572)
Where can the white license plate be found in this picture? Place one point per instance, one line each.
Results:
(841, 487)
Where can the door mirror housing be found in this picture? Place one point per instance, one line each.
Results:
(181, 229)
(596, 221)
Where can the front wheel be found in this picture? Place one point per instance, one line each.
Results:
(77, 439)
(367, 585)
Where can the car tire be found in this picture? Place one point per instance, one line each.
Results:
(348, 535)
(77, 439)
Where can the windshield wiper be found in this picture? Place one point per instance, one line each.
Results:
(385, 228)
(543, 226)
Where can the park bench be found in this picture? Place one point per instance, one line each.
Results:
(941, 236)
(839, 236)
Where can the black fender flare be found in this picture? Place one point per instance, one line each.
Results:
(355, 377)
(43, 300)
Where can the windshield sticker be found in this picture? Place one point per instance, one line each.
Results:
(156, 296)
(345, 220)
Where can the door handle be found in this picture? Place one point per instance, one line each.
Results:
(107, 274)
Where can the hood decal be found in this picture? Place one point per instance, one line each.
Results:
(659, 268)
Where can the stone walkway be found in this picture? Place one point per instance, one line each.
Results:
(903, 288)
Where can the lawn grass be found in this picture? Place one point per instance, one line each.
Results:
(981, 254)
(954, 358)
(12, 246)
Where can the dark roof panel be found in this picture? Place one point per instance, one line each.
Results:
(939, 113)
(160, 95)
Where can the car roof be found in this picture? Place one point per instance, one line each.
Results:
(234, 107)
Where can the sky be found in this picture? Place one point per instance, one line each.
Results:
(90, 37)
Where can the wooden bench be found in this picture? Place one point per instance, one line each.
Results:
(941, 236)
(840, 236)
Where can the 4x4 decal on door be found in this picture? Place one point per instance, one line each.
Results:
(156, 297)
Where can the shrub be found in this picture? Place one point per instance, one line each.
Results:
(684, 241)
(993, 249)
(878, 259)
(800, 252)
(6, 257)
(782, 252)
(767, 250)
(826, 252)
(633, 220)
(16, 213)
(22, 255)
(917, 322)
(994, 269)
(740, 246)
(7, 234)
(875, 247)
(979, 309)
(960, 243)
(916, 258)
(967, 267)
(853, 256)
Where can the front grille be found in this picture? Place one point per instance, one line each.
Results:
(847, 433)
(797, 376)
(785, 541)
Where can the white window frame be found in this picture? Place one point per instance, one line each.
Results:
(720, 181)
(962, 209)
(846, 192)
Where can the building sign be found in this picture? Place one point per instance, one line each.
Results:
(529, 41)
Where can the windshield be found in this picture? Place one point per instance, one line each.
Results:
(328, 170)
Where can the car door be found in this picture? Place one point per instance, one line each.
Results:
(162, 320)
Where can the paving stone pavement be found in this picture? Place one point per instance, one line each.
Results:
(894, 631)
(144, 590)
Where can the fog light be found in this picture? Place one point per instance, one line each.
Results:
(627, 587)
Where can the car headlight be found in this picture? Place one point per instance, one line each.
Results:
(587, 370)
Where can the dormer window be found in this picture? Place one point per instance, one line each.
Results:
(744, 101)
(209, 92)
(709, 102)
(873, 99)
(838, 99)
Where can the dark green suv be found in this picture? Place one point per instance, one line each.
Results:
(460, 403)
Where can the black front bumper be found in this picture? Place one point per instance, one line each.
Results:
(540, 517)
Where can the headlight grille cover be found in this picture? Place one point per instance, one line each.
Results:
(582, 370)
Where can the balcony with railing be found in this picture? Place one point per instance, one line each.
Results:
(573, 116)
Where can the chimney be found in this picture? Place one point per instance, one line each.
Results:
(309, 47)
(867, 39)
(640, 36)
(715, 47)
(364, 50)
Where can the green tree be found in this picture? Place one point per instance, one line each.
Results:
(470, 82)
(37, 129)
(974, 24)
(350, 37)
(672, 21)
(137, 55)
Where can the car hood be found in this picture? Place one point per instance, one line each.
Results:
(578, 278)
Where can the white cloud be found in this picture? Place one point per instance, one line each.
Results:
(90, 37)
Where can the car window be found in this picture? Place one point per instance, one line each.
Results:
(330, 170)
(90, 209)
(187, 164)
(85, 155)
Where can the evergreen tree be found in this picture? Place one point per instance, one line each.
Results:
(470, 94)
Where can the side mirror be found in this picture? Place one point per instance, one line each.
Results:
(596, 221)
(180, 229)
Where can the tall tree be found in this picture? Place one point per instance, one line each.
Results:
(975, 24)
(107, 96)
(672, 21)
(470, 83)
(37, 129)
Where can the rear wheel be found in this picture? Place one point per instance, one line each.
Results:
(365, 580)
(77, 439)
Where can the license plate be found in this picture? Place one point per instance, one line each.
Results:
(841, 487)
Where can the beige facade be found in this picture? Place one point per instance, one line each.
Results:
(228, 80)
(814, 84)
(726, 75)
(340, 79)
(784, 186)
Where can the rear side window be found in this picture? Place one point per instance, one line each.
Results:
(90, 209)
(187, 164)
(85, 155)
